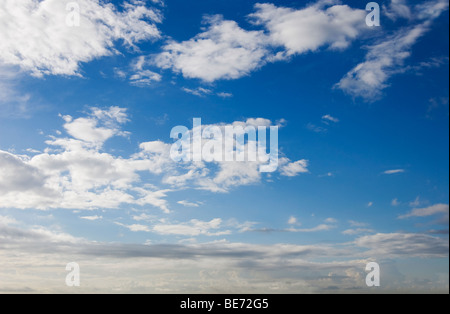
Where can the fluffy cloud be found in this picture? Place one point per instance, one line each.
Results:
(73, 172)
(88, 129)
(318, 25)
(223, 51)
(35, 36)
(292, 169)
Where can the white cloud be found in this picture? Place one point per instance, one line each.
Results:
(438, 209)
(398, 9)
(293, 169)
(223, 51)
(292, 221)
(75, 173)
(383, 60)
(307, 30)
(200, 91)
(387, 58)
(394, 171)
(92, 218)
(227, 51)
(192, 229)
(416, 203)
(135, 227)
(329, 118)
(319, 228)
(59, 49)
(145, 78)
(190, 204)
(144, 217)
(203, 92)
(88, 129)
(224, 95)
(357, 231)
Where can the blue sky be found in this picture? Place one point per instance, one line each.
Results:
(85, 120)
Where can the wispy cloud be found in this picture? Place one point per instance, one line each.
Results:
(438, 209)
(190, 204)
(387, 58)
(92, 218)
(394, 171)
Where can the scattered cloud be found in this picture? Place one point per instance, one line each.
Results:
(315, 128)
(417, 202)
(200, 91)
(145, 78)
(76, 173)
(227, 51)
(395, 202)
